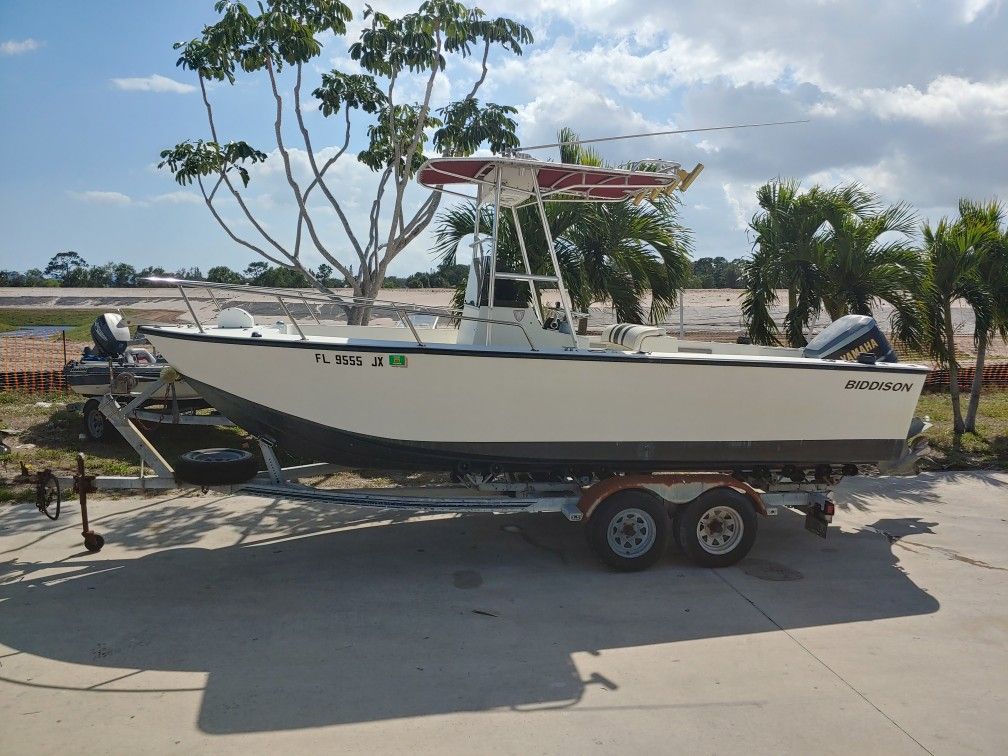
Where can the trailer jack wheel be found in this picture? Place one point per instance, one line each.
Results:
(48, 495)
(93, 542)
(629, 530)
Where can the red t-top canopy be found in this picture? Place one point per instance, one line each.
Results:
(519, 176)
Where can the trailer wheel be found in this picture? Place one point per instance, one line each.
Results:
(717, 528)
(215, 467)
(629, 530)
(96, 425)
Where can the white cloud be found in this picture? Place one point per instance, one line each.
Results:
(179, 197)
(971, 9)
(17, 47)
(96, 197)
(742, 204)
(947, 98)
(153, 83)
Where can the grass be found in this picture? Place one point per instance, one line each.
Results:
(48, 432)
(12, 318)
(985, 449)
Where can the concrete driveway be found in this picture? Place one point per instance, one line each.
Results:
(236, 624)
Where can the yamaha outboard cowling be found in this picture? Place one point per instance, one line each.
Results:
(848, 338)
(111, 334)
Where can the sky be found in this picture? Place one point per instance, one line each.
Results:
(908, 98)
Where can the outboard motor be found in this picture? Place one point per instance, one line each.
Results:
(111, 334)
(850, 337)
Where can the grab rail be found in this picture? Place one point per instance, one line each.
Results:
(401, 309)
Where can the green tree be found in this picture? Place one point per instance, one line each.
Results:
(35, 277)
(123, 274)
(79, 277)
(614, 251)
(12, 278)
(717, 273)
(831, 249)
(224, 274)
(993, 272)
(954, 254)
(283, 278)
(99, 276)
(394, 56)
(324, 275)
(254, 271)
(62, 264)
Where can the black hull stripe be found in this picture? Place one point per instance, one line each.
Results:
(407, 348)
(316, 442)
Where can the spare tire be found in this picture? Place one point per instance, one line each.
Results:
(216, 467)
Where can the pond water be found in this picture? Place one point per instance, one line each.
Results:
(37, 331)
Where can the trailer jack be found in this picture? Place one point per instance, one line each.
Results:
(82, 486)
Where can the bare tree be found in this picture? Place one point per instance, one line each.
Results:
(389, 52)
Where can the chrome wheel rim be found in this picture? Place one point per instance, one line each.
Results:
(720, 530)
(631, 533)
(218, 455)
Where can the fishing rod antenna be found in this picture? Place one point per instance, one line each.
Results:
(517, 152)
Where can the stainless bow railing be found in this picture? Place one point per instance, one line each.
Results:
(284, 295)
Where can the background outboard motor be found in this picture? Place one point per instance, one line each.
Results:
(849, 337)
(111, 334)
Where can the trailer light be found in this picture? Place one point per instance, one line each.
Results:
(829, 509)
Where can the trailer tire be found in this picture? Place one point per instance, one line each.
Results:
(675, 527)
(718, 528)
(216, 467)
(96, 426)
(629, 530)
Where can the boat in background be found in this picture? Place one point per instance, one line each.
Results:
(122, 366)
(520, 387)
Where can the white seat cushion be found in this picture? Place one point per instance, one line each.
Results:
(630, 335)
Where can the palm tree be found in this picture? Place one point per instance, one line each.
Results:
(994, 272)
(858, 267)
(826, 247)
(785, 229)
(955, 259)
(616, 251)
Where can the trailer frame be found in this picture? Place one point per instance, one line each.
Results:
(643, 496)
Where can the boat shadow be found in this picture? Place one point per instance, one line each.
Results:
(318, 616)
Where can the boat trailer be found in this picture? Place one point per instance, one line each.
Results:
(712, 516)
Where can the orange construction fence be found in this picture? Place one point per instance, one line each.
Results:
(35, 365)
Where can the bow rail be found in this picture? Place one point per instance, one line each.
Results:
(283, 296)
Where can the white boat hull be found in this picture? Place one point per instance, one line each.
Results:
(400, 405)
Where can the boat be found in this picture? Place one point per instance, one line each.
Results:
(518, 387)
(122, 366)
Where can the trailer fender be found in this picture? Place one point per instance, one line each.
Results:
(674, 488)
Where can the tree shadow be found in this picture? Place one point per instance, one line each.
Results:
(863, 492)
(316, 617)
